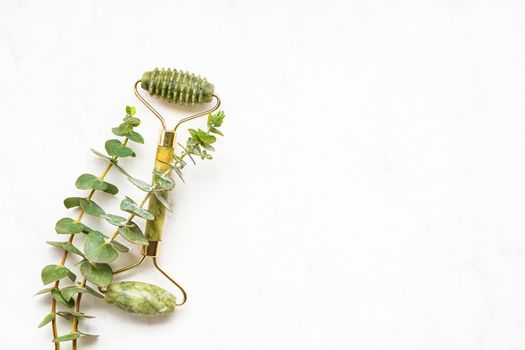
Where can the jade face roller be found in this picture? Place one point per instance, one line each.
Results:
(175, 87)
(100, 250)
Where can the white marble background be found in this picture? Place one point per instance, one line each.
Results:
(369, 192)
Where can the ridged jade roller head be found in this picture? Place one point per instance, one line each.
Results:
(177, 86)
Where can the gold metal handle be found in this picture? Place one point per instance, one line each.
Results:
(145, 254)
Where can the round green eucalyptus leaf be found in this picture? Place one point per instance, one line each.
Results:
(130, 111)
(135, 137)
(71, 276)
(93, 292)
(61, 300)
(163, 199)
(72, 202)
(90, 182)
(132, 120)
(99, 274)
(164, 181)
(115, 148)
(216, 131)
(44, 291)
(208, 147)
(130, 206)
(91, 208)
(67, 337)
(119, 246)
(52, 273)
(111, 189)
(123, 129)
(69, 292)
(70, 314)
(49, 317)
(216, 119)
(202, 136)
(88, 335)
(66, 246)
(98, 250)
(100, 154)
(144, 186)
(86, 229)
(133, 234)
(114, 219)
(68, 226)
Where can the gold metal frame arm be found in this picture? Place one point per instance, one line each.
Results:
(146, 103)
(191, 117)
(184, 295)
(129, 267)
(156, 264)
(183, 120)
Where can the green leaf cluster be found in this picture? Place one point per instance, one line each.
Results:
(52, 273)
(91, 182)
(99, 250)
(200, 141)
(130, 206)
(126, 128)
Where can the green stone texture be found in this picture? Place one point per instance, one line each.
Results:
(154, 227)
(177, 86)
(140, 298)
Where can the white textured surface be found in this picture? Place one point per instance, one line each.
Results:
(369, 193)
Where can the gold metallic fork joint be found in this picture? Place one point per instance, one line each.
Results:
(152, 249)
(166, 138)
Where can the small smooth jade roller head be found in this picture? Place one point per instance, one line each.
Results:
(140, 298)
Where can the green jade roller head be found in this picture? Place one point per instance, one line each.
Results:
(176, 87)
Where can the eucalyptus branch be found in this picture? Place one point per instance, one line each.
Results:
(54, 273)
(100, 250)
(199, 143)
(66, 253)
(84, 280)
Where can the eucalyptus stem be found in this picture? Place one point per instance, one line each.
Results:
(84, 280)
(66, 253)
(77, 309)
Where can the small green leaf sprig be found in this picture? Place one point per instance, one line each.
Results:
(99, 249)
(199, 143)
